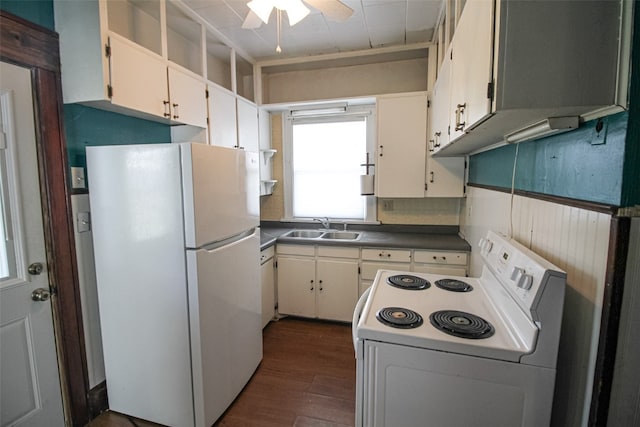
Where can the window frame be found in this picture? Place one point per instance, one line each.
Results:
(368, 112)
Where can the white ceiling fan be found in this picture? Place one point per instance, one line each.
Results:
(260, 11)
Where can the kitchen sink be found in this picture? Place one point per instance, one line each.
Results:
(341, 235)
(304, 234)
(328, 235)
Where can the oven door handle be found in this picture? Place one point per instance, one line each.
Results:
(357, 312)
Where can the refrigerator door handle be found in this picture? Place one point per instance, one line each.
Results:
(230, 240)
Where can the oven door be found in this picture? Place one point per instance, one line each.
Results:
(405, 386)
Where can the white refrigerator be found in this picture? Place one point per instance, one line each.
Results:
(177, 263)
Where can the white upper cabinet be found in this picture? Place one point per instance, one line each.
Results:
(248, 133)
(188, 98)
(401, 147)
(470, 56)
(138, 79)
(222, 117)
(515, 63)
(149, 59)
(403, 168)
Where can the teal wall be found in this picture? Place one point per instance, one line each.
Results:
(584, 164)
(86, 126)
(37, 11)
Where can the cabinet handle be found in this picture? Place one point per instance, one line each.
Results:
(381, 148)
(432, 175)
(432, 144)
(167, 112)
(176, 115)
(459, 113)
(320, 285)
(437, 139)
(311, 285)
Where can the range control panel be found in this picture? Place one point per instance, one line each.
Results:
(518, 269)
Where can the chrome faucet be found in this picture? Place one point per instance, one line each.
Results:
(324, 221)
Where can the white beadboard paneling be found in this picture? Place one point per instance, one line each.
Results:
(88, 293)
(576, 240)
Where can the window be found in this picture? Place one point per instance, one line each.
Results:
(324, 154)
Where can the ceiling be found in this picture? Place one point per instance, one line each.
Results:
(374, 24)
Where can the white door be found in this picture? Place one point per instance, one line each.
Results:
(30, 392)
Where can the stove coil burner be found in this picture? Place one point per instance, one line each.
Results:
(398, 317)
(461, 324)
(407, 281)
(453, 285)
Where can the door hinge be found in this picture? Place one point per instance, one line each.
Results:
(426, 186)
(451, 54)
(206, 93)
(110, 91)
(275, 264)
(358, 270)
(449, 130)
(490, 90)
(107, 51)
(428, 103)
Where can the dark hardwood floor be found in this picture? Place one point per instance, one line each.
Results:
(306, 379)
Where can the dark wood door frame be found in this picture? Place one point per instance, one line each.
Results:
(37, 49)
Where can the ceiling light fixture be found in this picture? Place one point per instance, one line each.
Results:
(296, 11)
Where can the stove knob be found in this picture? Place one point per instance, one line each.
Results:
(516, 274)
(526, 282)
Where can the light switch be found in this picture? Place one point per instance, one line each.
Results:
(84, 222)
(77, 178)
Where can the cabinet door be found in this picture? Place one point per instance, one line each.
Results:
(401, 150)
(337, 289)
(188, 99)
(222, 117)
(248, 138)
(297, 286)
(268, 291)
(138, 79)
(439, 110)
(445, 177)
(472, 54)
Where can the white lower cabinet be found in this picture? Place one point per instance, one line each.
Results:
(439, 262)
(317, 282)
(267, 283)
(325, 282)
(374, 259)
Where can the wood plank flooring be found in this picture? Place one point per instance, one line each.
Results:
(306, 379)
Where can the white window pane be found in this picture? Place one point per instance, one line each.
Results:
(326, 169)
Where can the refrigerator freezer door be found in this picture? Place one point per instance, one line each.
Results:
(226, 328)
(221, 189)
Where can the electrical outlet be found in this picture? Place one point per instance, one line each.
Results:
(387, 205)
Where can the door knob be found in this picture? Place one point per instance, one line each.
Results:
(35, 268)
(40, 294)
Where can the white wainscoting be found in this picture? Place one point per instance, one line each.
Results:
(574, 239)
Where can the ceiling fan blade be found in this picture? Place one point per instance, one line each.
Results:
(332, 9)
(252, 21)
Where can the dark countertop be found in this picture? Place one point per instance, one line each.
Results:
(444, 238)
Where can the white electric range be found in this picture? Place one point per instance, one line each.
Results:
(458, 351)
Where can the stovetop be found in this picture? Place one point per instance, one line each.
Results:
(511, 333)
